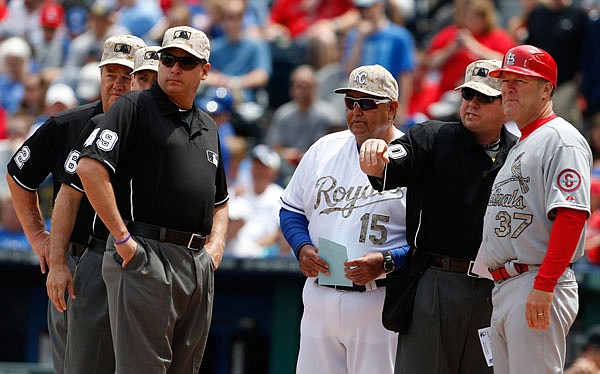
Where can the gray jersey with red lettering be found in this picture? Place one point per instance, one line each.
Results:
(549, 169)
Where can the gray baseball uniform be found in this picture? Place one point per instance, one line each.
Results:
(548, 169)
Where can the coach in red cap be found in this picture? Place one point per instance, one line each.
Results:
(534, 221)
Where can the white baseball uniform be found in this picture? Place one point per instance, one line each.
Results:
(549, 169)
(341, 331)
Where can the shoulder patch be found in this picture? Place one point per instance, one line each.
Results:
(396, 151)
(212, 157)
(568, 180)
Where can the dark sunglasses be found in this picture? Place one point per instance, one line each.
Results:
(468, 94)
(186, 63)
(363, 103)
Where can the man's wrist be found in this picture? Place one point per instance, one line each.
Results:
(388, 262)
(124, 240)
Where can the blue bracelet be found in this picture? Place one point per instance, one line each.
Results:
(117, 242)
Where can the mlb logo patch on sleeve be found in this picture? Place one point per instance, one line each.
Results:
(212, 157)
(396, 151)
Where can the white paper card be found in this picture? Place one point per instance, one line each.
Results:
(485, 338)
(335, 255)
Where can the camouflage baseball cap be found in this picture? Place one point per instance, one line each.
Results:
(146, 59)
(477, 77)
(188, 39)
(373, 80)
(120, 49)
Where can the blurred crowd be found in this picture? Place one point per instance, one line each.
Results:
(274, 64)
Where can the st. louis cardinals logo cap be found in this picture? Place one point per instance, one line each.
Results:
(146, 59)
(477, 77)
(193, 41)
(530, 61)
(373, 80)
(120, 49)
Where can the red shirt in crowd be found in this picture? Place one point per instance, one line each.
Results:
(453, 70)
(297, 16)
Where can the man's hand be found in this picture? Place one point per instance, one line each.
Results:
(537, 309)
(310, 262)
(374, 157)
(216, 255)
(126, 251)
(41, 248)
(364, 269)
(59, 279)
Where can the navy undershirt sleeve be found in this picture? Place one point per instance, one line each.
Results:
(294, 227)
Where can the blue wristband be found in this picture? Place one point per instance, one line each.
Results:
(399, 255)
(117, 242)
(294, 227)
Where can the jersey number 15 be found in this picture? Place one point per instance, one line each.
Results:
(373, 222)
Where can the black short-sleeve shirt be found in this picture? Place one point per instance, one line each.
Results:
(72, 179)
(164, 171)
(50, 150)
(449, 177)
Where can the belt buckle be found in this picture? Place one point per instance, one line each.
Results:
(192, 239)
(470, 270)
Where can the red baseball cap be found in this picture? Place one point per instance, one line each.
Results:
(52, 15)
(530, 61)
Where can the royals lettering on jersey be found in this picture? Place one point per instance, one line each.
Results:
(329, 188)
(331, 197)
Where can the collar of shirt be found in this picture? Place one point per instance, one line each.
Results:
(527, 130)
(169, 109)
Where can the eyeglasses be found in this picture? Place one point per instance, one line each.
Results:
(186, 63)
(363, 103)
(468, 94)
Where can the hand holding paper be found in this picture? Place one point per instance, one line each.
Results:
(335, 255)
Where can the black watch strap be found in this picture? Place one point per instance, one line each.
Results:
(388, 262)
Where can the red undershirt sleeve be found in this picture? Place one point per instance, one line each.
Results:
(564, 237)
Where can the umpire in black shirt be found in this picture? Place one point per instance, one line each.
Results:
(448, 169)
(43, 153)
(152, 171)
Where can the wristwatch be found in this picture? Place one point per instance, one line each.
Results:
(388, 262)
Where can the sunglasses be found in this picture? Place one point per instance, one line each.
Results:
(186, 63)
(468, 94)
(363, 103)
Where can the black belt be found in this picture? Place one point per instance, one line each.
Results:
(190, 240)
(77, 249)
(355, 287)
(96, 244)
(453, 265)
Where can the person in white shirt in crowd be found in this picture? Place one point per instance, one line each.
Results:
(260, 231)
